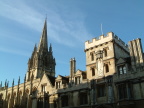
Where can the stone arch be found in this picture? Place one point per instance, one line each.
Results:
(26, 97)
(8, 99)
(32, 76)
(27, 91)
(8, 96)
(14, 97)
(34, 88)
(34, 91)
(20, 97)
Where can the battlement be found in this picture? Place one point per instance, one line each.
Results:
(103, 39)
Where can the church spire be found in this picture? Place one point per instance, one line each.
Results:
(42, 60)
(43, 41)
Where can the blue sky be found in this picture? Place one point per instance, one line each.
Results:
(70, 24)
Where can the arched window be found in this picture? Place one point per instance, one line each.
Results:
(77, 80)
(106, 68)
(93, 72)
(92, 56)
(105, 52)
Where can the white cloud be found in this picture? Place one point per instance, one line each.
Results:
(13, 51)
(20, 12)
(69, 30)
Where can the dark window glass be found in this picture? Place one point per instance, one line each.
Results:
(101, 90)
(107, 68)
(93, 72)
(64, 100)
(122, 91)
(105, 52)
(83, 98)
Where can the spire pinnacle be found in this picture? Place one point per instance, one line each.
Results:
(25, 78)
(13, 83)
(43, 41)
(5, 82)
(19, 80)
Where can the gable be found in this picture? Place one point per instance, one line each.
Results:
(47, 82)
(78, 72)
(59, 77)
(120, 61)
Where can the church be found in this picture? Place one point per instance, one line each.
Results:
(114, 77)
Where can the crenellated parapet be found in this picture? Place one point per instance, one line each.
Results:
(104, 39)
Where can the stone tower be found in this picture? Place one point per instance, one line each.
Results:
(102, 53)
(42, 60)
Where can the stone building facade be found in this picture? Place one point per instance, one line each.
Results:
(114, 78)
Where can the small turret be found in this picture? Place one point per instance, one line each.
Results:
(25, 78)
(13, 83)
(19, 80)
(5, 82)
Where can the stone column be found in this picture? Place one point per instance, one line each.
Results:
(34, 102)
(59, 102)
(110, 94)
(88, 95)
(93, 92)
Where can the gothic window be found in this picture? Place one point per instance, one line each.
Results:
(122, 69)
(19, 95)
(26, 97)
(77, 80)
(106, 68)
(124, 91)
(64, 100)
(101, 90)
(92, 56)
(93, 71)
(14, 96)
(8, 97)
(57, 84)
(43, 88)
(84, 76)
(83, 98)
(105, 52)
